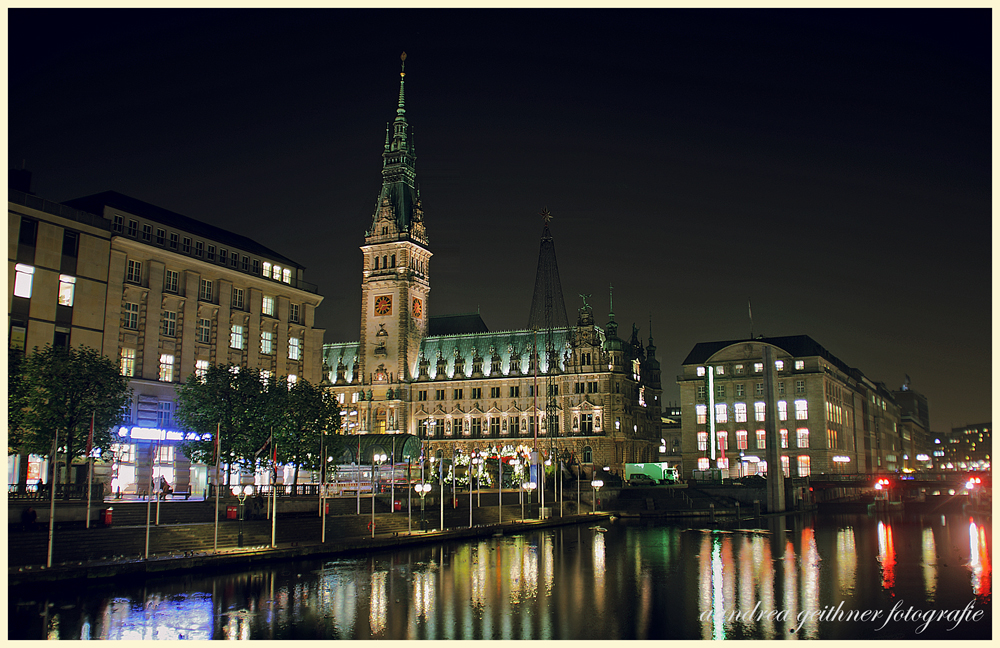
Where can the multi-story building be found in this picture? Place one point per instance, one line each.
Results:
(57, 269)
(670, 435)
(579, 390)
(914, 428)
(830, 418)
(163, 295)
(966, 448)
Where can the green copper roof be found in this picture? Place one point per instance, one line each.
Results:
(399, 174)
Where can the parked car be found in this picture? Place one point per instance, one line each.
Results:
(640, 479)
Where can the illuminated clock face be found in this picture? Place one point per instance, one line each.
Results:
(418, 308)
(383, 305)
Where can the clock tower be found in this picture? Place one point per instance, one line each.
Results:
(396, 272)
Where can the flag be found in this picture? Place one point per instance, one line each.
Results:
(218, 443)
(264, 447)
(90, 436)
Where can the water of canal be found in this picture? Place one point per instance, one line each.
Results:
(820, 577)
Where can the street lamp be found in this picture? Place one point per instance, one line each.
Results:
(477, 461)
(596, 484)
(422, 490)
(526, 487)
(377, 460)
(241, 493)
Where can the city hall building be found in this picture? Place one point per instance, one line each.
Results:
(575, 391)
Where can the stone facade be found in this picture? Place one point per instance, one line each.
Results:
(831, 418)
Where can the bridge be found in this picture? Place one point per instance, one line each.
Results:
(900, 480)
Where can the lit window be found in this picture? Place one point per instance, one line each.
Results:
(758, 367)
(236, 337)
(293, 348)
(703, 441)
(163, 412)
(800, 364)
(67, 285)
(721, 413)
(703, 463)
(286, 275)
(738, 370)
(170, 323)
(201, 368)
(205, 291)
(801, 410)
(204, 331)
(133, 271)
(741, 439)
(128, 362)
(266, 269)
(170, 281)
(131, 316)
(802, 437)
(701, 371)
(166, 368)
(740, 410)
(720, 370)
(759, 410)
(701, 414)
(266, 342)
(782, 411)
(267, 306)
(804, 469)
(779, 365)
(761, 442)
(784, 465)
(723, 441)
(722, 463)
(784, 438)
(276, 273)
(292, 379)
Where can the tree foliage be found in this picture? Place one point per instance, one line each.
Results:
(57, 391)
(307, 411)
(247, 409)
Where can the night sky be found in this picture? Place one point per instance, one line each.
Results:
(832, 166)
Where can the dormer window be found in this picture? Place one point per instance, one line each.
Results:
(385, 231)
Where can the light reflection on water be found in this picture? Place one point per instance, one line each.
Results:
(635, 581)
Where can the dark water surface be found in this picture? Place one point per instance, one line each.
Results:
(798, 578)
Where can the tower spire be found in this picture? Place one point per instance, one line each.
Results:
(398, 212)
(548, 308)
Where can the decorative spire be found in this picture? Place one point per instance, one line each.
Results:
(401, 110)
(399, 192)
(548, 308)
(612, 327)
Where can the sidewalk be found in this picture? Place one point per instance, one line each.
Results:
(235, 558)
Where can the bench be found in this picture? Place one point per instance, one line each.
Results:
(186, 494)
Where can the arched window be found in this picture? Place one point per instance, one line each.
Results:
(588, 455)
(385, 262)
(376, 263)
(392, 261)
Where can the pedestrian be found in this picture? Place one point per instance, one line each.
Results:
(28, 517)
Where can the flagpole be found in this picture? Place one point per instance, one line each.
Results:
(149, 495)
(218, 460)
(52, 503)
(90, 471)
(274, 489)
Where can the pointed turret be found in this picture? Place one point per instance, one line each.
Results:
(399, 200)
(548, 308)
